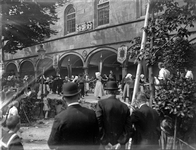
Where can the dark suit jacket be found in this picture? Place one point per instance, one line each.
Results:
(113, 117)
(75, 126)
(147, 127)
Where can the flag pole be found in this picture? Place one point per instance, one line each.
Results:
(143, 43)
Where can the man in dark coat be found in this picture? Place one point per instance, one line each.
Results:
(59, 84)
(76, 127)
(146, 125)
(113, 116)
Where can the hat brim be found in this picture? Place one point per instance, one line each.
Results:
(67, 94)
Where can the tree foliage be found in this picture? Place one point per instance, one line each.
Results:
(27, 22)
(177, 99)
(170, 30)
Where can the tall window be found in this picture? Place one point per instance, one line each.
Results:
(103, 12)
(70, 20)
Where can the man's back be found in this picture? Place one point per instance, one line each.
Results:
(112, 116)
(152, 122)
(146, 122)
(74, 126)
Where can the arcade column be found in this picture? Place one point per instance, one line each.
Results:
(124, 69)
(57, 70)
(36, 73)
(85, 70)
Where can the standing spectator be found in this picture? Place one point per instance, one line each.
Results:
(112, 76)
(167, 133)
(113, 116)
(45, 89)
(189, 74)
(163, 73)
(66, 79)
(72, 78)
(87, 80)
(36, 87)
(146, 124)
(11, 141)
(99, 91)
(54, 85)
(80, 82)
(46, 107)
(77, 126)
(128, 88)
(142, 83)
(13, 109)
(59, 84)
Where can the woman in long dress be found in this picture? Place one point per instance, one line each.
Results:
(99, 91)
(128, 88)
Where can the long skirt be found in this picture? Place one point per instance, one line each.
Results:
(99, 91)
(127, 92)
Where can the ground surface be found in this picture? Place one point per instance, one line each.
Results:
(36, 135)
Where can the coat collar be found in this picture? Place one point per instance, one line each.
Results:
(71, 104)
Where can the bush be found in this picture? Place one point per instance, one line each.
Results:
(177, 100)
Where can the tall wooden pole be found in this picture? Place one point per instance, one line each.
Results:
(150, 68)
(1, 63)
(143, 43)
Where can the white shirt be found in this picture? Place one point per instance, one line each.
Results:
(189, 75)
(164, 74)
(13, 111)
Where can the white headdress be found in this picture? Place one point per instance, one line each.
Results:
(97, 74)
(142, 76)
(129, 75)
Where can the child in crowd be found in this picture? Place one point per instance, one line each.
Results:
(46, 107)
(11, 141)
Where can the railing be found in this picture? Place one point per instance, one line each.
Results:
(167, 143)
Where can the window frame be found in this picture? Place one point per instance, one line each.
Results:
(103, 7)
(69, 20)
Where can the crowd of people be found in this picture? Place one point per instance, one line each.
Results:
(112, 125)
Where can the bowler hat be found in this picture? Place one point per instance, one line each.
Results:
(111, 85)
(70, 89)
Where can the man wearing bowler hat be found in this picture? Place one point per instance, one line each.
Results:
(76, 127)
(113, 116)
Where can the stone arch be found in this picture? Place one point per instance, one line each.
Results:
(26, 68)
(71, 63)
(108, 57)
(11, 69)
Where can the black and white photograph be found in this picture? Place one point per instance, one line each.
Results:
(97, 74)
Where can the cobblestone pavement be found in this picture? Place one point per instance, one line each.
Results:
(35, 136)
